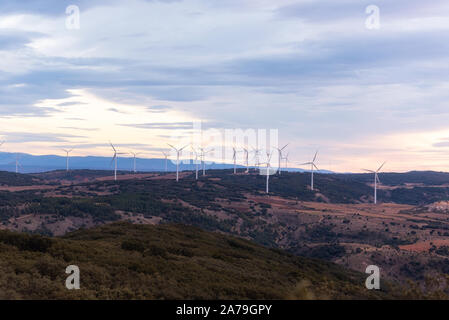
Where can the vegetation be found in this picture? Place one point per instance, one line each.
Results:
(124, 261)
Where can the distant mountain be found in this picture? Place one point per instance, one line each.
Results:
(33, 164)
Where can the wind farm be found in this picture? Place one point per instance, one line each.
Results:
(311, 210)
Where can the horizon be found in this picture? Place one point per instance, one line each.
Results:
(210, 164)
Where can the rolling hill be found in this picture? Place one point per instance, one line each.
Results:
(125, 261)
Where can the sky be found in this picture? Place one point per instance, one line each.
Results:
(140, 72)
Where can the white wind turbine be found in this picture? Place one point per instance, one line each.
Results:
(286, 161)
(114, 159)
(268, 167)
(376, 180)
(246, 159)
(313, 166)
(67, 158)
(135, 154)
(196, 163)
(234, 157)
(203, 159)
(166, 159)
(178, 151)
(17, 163)
(256, 157)
(280, 157)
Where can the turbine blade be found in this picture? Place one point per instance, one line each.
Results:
(184, 147)
(369, 170)
(314, 158)
(381, 166)
(284, 146)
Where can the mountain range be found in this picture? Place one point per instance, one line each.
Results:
(41, 163)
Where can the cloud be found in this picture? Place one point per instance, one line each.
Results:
(81, 129)
(18, 137)
(72, 103)
(115, 110)
(158, 109)
(161, 125)
(299, 66)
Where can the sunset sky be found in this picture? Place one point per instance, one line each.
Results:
(137, 71)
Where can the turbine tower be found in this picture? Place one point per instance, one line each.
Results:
(17, 163)
(234, 157)
(286, 161)
(67, 158)
(246, 159)
(178, 151)
(280, 157)
(376, 180)
(166, 159)
(203, 159)
(196, 163)
(256, 157)
(114, 159)
(269, 154)
(313, 166)
(135, 154)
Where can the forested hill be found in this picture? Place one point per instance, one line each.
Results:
(124, 261)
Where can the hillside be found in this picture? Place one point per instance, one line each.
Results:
(336, 222)
(124, 261)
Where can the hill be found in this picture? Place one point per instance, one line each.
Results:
(124, 261)
(335, 222)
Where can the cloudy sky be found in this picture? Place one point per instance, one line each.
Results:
(137, 71)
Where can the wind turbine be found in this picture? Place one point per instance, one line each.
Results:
(67, 159)
(135, 154)
(114, 158)
(286, 161)
(313, 166)
(376, 180)
(178, 151)
(280, 157)
(196, 163)
(17, 163)
(246, 159)
(234, 157)
(256, 157)
(203, 159)
(269, 154)
(166, 159)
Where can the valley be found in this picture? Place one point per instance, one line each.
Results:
(408, 241)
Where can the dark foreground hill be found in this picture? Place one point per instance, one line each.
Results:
(124, 261)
